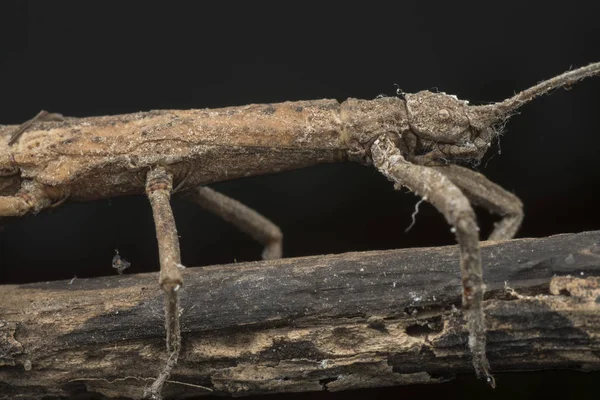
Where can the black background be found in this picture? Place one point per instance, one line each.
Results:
(97, 58)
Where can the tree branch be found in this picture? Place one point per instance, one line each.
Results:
(330, 322)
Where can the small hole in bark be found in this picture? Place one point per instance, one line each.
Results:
(376, 323)
(424, 328)
(564, 292)
(410, 311)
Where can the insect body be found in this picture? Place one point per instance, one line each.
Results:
(415, 141)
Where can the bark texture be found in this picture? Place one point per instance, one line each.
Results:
(329, 322)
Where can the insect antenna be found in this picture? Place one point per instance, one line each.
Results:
(491, 114)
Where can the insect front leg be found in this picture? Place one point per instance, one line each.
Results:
(481, 191)
(444, 195)
(159, 184)
(243, 217)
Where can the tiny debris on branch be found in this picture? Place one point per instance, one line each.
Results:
(119, 263)
(331, 322)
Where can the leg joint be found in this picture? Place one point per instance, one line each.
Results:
(159, 179)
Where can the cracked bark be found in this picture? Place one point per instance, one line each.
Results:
(329, 322)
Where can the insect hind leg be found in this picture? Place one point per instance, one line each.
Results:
(31, 198)
(243, 217)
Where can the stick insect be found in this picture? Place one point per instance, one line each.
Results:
(415, 140)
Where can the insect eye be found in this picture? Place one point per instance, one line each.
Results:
(437, 116)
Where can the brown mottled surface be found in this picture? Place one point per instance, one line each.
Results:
(331, 322)
(97, 157)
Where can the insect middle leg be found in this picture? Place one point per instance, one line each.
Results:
(489, 195)
(159, 184)
(437, 189)
(243, 217)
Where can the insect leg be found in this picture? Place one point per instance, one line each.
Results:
(14, 206)
(31, 198)
(243, 217)
(159, 184)
(41, 116)
(489, 195)
(444, 195)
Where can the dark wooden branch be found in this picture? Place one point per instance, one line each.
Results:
(331, 322)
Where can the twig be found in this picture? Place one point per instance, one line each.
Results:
(314, 323)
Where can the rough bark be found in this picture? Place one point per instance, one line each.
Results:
(330, 322)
